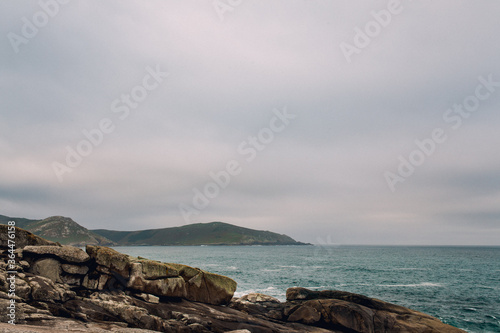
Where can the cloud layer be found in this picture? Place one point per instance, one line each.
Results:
(321, 174)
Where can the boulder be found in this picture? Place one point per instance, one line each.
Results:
(110, 259)
(24, 313)
(23, 238)
(72, 280)
(259, 305)
(146, 276)
(160, 279)
(305, 314)
(206, 287)
(148, 298)
(167, 286)
(75, 269)
(49, 268)
(44, 289)
(96, 282)
(153, 270)
(67, 253)
(22, 291)
(130, 314)
(346, 311)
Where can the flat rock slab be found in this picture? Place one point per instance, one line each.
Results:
(65, 326)
(66, 253)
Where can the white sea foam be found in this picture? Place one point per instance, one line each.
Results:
(313, 288)
(471, 309)
(413, 285)
(270, 288)
(239, 294)
(270, 270)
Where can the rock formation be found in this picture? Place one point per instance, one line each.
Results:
(100, 290)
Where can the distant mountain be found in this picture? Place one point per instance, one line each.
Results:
(214, 233)
(66, 231)
(59, 229)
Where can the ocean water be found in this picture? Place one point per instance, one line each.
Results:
(458, 285)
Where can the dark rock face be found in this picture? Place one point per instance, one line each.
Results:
(103, 290)
(259, 305)
(23, 238)
(357, 313)
(160, 279)
(205, 287)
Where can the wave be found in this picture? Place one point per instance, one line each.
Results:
(316, 288)
(488, 287)
(471, 309)
(239, 294)
(270, 270)
(271, 290)
(413, 285)
(408, 269)
(363, 269)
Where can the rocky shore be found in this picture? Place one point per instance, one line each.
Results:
(48, 287)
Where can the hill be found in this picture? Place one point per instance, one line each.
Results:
(59, 229)
(214, 233)
(66, 231)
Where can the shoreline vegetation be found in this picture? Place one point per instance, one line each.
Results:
(44, 284)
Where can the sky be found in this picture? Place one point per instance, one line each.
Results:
(330, 121)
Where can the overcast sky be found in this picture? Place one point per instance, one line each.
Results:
(308, 113)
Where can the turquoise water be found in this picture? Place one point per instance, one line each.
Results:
(459, 285)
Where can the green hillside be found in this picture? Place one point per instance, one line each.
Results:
(20, 222)
(214, 233)
(66, 231)
(59, 229)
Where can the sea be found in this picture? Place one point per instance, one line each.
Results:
(458, 285)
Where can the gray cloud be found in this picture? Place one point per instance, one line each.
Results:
(323, 175)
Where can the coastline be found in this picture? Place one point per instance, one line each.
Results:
(100, 288)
